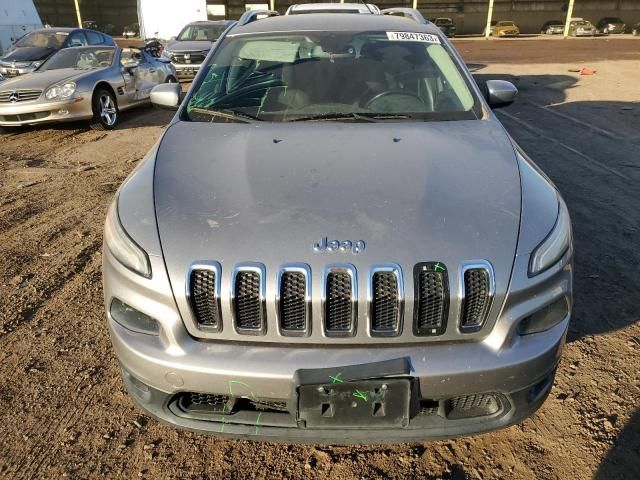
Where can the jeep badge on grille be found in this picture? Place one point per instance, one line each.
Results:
(324, 245)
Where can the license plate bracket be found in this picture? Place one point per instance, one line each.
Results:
(376, 403)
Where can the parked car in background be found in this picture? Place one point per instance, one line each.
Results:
(609, 25)
(506, 28)
(92, 83)
(406, 12)
(188, 50)
(131, 31)
(30, 51)
(635, 30)
(332, 8)
(447, 25)
(581, 28)
(552, 27)
(90, 24)
(2, 78)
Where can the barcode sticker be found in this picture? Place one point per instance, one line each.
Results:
(413, 37)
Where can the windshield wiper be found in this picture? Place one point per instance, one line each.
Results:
(227, 114)
(364, 116)
(334, 116)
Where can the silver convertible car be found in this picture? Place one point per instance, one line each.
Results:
(335, 240)
(83, 83)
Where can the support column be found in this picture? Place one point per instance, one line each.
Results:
(487, 30)
(568, 20)
(78, 14)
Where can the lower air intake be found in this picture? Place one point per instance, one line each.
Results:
(477, 405)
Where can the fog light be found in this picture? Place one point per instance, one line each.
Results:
(545, 318)
(132, 319)
(63, 111)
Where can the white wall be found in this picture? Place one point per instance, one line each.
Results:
(17, 17)
(165, 18)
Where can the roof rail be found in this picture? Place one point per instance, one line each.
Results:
(253, 15)
(411, 13)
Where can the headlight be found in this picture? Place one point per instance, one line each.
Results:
(122, 246)
(555, 245)
(166, 54)
(36, 64)
(61, 91)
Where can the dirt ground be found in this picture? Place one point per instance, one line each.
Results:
(64, 411)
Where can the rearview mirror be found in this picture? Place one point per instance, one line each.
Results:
(499, 93)
(166, 96)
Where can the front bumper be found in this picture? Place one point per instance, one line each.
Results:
(159, 370)
(39, 111)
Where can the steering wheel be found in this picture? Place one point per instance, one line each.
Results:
(388, 93)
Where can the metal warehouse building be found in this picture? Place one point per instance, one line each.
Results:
(470, 15)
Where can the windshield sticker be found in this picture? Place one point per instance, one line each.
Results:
(413, 37)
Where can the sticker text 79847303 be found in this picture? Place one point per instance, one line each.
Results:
(413, 37)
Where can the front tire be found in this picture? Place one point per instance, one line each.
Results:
(105, 110)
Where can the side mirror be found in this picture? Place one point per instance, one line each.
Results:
(130, 66)
(166, 96)
(499, 93)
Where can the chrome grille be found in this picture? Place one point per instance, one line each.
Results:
(340, 301)
(477, 298)
(188, 57)
(19, 95)
(293, 301)
(385, 301)
(244, 301)
(204, 294)
(248, 299)
(431, 305)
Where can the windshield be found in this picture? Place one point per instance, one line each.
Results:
(443, 21)
(84, 58)
(52, 40)
(505, 24)
(583, 23)
(201, 32)
(332, 75)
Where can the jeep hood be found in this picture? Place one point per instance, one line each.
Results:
(440, 191)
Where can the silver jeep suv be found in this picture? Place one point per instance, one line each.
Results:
(335, 240)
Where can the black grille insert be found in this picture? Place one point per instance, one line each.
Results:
(477, 299)
(292, 307)
(475, 405)
(339, 307)
(197, 402)
(204, 299)
(385, 303)
(431, 307)
(248, 302)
